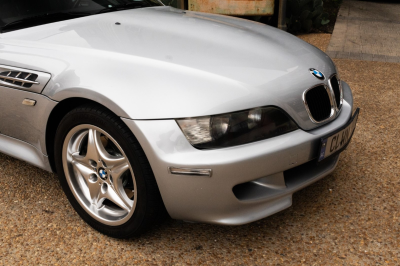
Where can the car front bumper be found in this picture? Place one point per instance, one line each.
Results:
(248, 182)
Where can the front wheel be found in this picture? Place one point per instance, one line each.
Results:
(105, 173)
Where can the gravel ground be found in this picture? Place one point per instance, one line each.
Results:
(349, 217)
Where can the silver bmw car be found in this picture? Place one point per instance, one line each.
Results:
(144, 110)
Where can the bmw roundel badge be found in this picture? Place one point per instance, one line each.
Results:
(102, 173)
(317, 74)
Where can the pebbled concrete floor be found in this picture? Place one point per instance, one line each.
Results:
(349, 218)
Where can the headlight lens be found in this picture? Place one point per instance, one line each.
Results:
(236, 128)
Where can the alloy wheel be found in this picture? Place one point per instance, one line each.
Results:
(99, 174)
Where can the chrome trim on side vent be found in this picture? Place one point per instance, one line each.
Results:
(16, 79)
(23, 79)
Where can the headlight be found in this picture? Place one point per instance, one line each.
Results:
(236, 128)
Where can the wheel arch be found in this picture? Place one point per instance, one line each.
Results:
(55, 117)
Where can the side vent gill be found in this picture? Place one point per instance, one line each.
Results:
(23, 79)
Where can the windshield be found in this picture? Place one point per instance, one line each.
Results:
(12, 11)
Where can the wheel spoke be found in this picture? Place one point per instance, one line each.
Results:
(96, 151)
(99, 198)
(112, 195)
(119, 169)
(77, 143)
(76, 157)
(84, 170)
(95, 194)
(117, 182)
(91, 181)
(111, 160)
(94, 145)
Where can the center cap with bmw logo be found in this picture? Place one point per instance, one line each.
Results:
(317, 74)
(102, 173)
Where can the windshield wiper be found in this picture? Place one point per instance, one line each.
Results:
(124, 6)
(39, 19)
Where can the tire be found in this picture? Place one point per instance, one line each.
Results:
(95, 152)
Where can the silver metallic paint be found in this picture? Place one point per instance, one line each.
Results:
(163, 63)
(24, 122)
(193, 198)
(189, 64)
(24, 151)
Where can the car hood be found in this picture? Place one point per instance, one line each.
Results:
(161, 62)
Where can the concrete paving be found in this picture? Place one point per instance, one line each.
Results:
(367, 31)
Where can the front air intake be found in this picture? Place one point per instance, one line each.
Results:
(318, 103)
